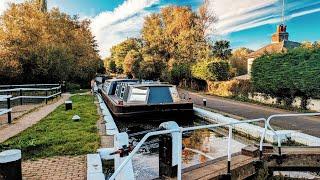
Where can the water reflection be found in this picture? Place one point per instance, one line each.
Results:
(199, 147)
(203, 145)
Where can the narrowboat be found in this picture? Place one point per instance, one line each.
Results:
(131, 99)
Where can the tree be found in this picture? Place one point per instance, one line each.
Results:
(47, 47)
(211, 70)
(239, 60)
(171, 43)
(151, 67)
(131, 65)
(119, 51)
(177, 35)
(221, 49)
(307, 44)
(110, 65)
(219, 70)
(42, 5)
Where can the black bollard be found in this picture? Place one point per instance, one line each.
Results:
(10, 165)
(68, 105)
(165, 157)
(204, 102)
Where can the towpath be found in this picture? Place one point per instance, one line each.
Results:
(29, 119)
(308, 125)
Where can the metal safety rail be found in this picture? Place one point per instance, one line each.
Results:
(27, 85)
(179, 130)
(54, 90)
(20, 90)
(8, 110)
(283, 115)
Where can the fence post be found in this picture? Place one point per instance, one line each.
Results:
(20, 96)
(9, 106)
(46, 96)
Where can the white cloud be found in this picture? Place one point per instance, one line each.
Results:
(4, 4)
(112, 27)
(237, 15)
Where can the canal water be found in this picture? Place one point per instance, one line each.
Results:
(200, 146)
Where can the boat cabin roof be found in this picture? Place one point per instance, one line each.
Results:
(151, 85)
(135, 92)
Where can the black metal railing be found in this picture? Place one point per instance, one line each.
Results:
(15, 95)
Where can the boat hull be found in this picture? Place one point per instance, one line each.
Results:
(155, 112)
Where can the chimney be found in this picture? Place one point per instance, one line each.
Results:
(280, 35)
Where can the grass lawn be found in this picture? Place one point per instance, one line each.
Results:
(58, 134)
(80, 91)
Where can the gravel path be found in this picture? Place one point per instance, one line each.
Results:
(29, 119)
(308, 125)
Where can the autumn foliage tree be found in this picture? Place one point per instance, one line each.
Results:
(239, 60)
(40, 46)
(131, 65)
(171, 42)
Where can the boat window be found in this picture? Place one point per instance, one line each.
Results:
(122, 92)
(106, 86)
(174, 94)
(117, 89)
(159, 95)
(138, 94)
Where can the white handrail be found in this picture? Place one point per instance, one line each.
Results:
(285, 115)
(30, 97)
(5, 111)
(29, 89)
(28, 85)
(135, 150)
(230, 125)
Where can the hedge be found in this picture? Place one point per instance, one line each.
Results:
(287, 75)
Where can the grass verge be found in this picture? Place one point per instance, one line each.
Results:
(58, 135)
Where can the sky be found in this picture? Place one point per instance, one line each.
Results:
(245, 23)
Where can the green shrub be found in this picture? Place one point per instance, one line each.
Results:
(287, 75)
(211, 70)
(73, 87)
(179, 72)
(219, 70)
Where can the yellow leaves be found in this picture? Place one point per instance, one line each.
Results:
(48, 45)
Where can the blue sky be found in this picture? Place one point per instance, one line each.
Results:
(245, 23)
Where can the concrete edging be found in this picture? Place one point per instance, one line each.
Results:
(94, 167)
(256, 131)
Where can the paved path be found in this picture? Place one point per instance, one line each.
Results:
(55, 168)
(308, 125)
(17, 112)
(30, 119)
